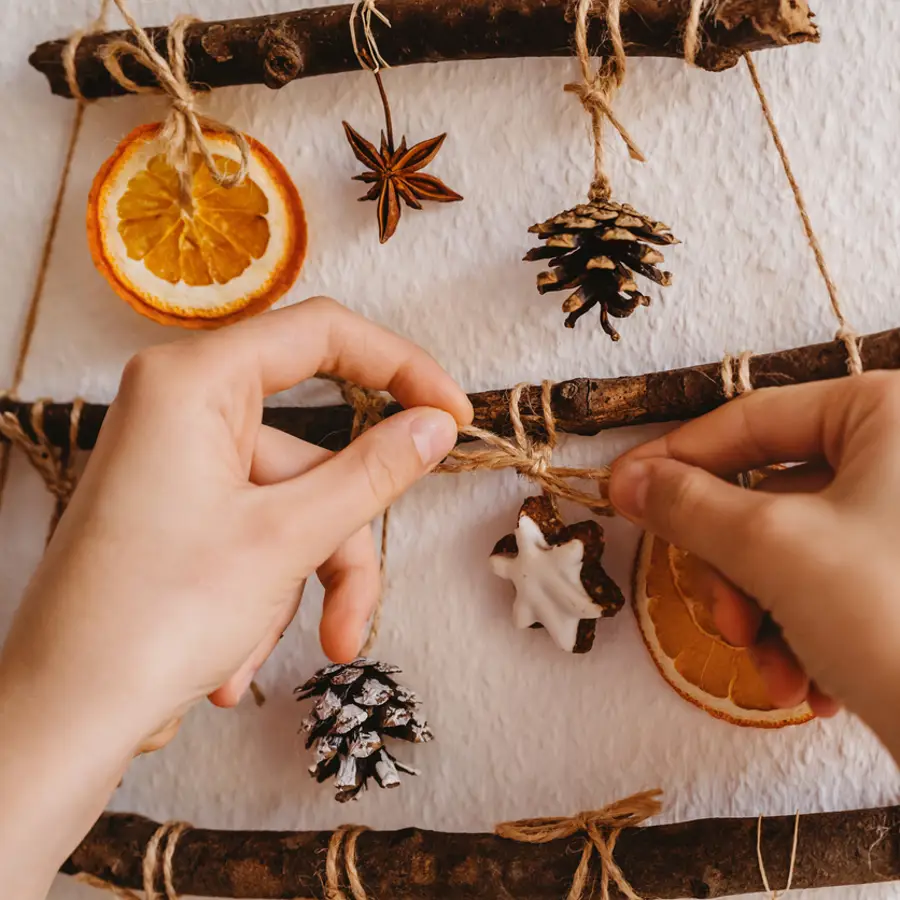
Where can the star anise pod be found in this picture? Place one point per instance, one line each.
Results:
(396, 174)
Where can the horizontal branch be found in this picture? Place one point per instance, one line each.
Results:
(580, 406)
(705, 858)
(277, 49)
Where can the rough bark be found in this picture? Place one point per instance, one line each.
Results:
(581, 406)
(277, 49)
(701, 859)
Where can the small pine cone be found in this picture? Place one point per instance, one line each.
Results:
(358, 706)
(598, 248)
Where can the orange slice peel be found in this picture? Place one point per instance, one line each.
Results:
(673, 608)
(232, 255)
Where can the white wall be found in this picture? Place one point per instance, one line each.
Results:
(525, 731)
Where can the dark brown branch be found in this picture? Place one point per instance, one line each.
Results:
(706, 858)
(277, 49)
(581, 406)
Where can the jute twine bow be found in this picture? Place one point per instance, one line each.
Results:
(762, 866)
(597, 89)
(182, 132)
(365, 9)
(165, 837)
(55, 466)
(531, 459)
(601, 828)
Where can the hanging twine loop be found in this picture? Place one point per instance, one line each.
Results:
(182, 131)
(601, 829)
(845, 333)
(597, 89)
(158, 854)
(55, 465)
(530, 459)
(735, 374)
(364, 10)
(776, 895)
(341, 861)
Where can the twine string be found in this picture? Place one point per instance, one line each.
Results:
(845, 333)
(164, 839)
(364, 10)
(71, 49)
(597, 89)
(735, 374)
(344, 838)
(55, 465)
(183, 130)
(601, 829)
(529, 458)
(692, 31)
(775, 895)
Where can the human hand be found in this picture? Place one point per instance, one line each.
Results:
(179, 561)
(815, 546)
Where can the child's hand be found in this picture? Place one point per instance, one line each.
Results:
(817, 547)
(178, 564)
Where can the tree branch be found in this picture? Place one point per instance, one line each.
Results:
(705, 858)
(581, 406)
(277, 49)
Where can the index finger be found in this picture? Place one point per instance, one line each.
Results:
(775, 425)
(279, 349)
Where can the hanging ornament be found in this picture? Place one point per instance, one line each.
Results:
(191, 222)
(597, 248)
(558, 575)
(395, 173)
(358, 706)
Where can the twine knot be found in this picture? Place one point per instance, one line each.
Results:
(601, 828)
(365, 9)
(530, 459)
(735, 374)
(344, 839)
(183, 130)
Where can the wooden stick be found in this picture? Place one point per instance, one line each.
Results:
(705, 858)
(277, 49)
(581, 406)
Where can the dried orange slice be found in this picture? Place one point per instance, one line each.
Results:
(672, 604)
(233, 255)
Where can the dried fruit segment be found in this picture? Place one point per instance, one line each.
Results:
(227, 254)
(673, 607)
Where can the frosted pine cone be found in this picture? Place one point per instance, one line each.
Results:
(597, 249)
(358, 706)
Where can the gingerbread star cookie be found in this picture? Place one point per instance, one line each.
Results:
(557, 572)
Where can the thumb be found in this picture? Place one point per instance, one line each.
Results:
(359, 483)
(737, 531)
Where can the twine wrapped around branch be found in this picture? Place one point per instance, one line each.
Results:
(531, 459)
(182, 132)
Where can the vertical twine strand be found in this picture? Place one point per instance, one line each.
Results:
(597, 89)
(364, 10)
(762, 865)
(735, 374)
(692, 31)
(344, 838)
(845, 333)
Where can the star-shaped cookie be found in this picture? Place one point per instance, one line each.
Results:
(557, 572)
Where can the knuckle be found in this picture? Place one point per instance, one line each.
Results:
(381, 474)
(326, 305)
(145, 369)
(882, 390)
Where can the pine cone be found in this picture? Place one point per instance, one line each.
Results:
(598, 248)
(359, 705)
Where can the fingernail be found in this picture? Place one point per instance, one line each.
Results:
(433, 433)
(628, 489)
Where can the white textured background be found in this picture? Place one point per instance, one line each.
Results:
(524, 730)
